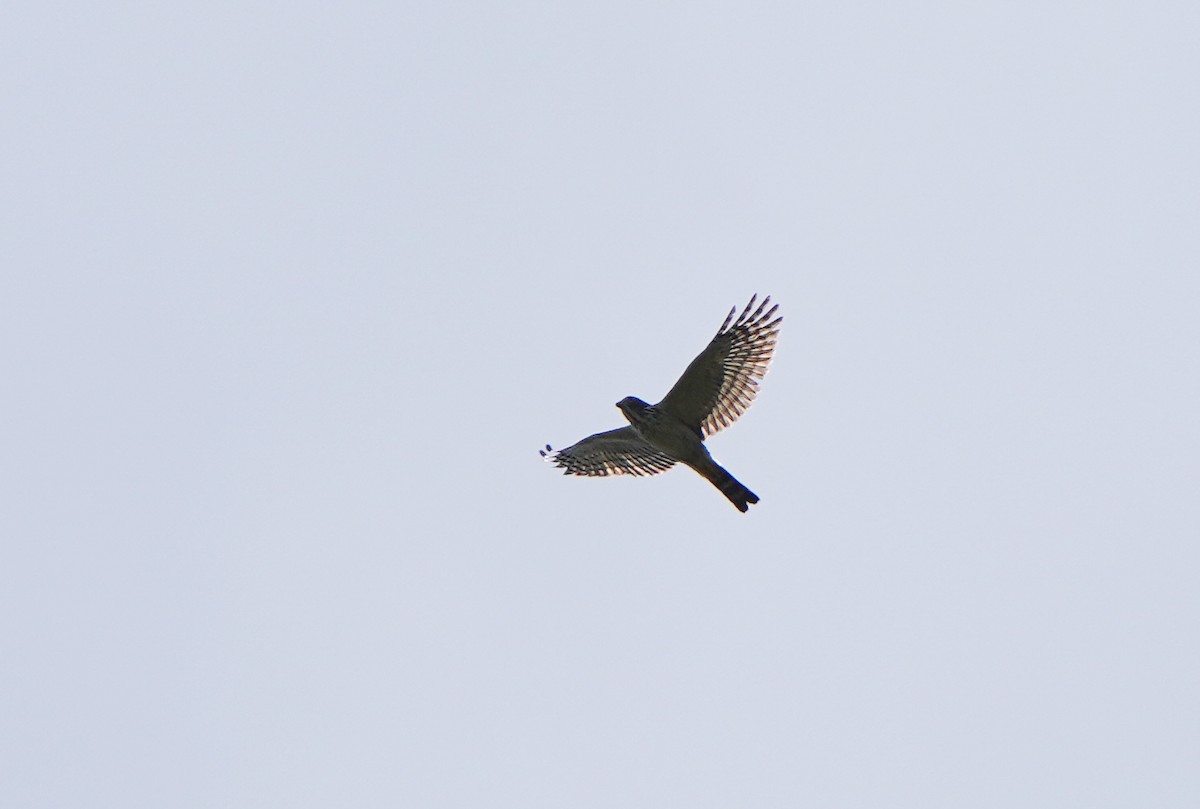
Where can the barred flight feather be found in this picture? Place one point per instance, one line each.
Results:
(616, 452)
(723, 380)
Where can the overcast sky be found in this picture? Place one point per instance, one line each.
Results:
(293, 293)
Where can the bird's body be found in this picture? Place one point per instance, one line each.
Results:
(664, 432)
(673, 438)
(714, 390)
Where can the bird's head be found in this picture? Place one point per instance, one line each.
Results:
(630, 405)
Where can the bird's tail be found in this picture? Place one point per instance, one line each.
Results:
(738, 494)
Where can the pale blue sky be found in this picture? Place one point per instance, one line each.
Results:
(294, 293)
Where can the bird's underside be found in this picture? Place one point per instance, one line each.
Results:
(713, 392)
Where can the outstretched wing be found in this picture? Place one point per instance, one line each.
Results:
(616, 452)
(723, 380)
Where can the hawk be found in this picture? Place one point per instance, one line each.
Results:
(714, 390)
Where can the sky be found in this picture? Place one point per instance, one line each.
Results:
(293, 294)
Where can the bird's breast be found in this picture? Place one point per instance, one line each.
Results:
(670, 436)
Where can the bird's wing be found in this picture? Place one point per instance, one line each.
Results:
(723, 380)
(616, 452)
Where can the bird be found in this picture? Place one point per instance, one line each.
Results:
(717, 387)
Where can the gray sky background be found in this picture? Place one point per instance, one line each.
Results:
(293, 293)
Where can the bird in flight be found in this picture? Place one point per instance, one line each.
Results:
(714, 390)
